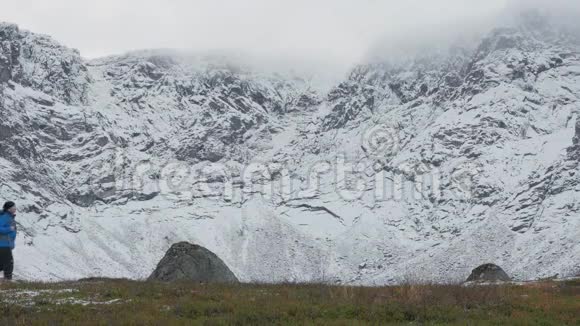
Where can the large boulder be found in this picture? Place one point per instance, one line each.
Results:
(189, 262)
(488, 273)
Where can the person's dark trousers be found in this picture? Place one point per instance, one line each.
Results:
(6, 262)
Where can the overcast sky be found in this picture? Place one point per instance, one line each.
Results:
(339, 29)
(335, 31)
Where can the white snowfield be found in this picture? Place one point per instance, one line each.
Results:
(416, 171)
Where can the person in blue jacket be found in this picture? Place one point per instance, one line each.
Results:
(7, 238)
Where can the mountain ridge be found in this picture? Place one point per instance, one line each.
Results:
(416, 170)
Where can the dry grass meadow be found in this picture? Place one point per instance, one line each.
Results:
(123, 302)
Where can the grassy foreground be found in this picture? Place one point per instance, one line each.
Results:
(120, 302)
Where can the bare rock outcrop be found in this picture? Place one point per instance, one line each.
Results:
(188, 262)
(488, 273)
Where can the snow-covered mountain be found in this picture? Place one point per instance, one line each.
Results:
(415, 169)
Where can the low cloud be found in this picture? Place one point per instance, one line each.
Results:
(333, 34)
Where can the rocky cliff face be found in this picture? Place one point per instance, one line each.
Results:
(37, 62)
(10, 51)
(417, 168)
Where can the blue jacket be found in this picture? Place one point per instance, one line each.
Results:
(7, 230)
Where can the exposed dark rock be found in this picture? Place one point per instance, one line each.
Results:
(102, 141)
(145, 197)
(488, 273)
(576, 140)
(9, 51)
(574, 150)
(189, 262)
(42, 101)
(83, 199)
(210, 150)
